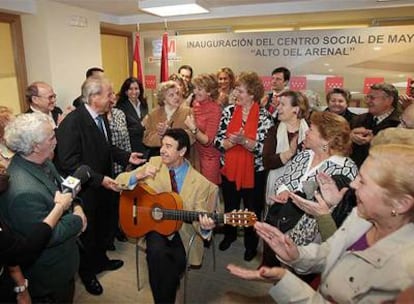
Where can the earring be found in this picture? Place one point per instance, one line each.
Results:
(393, 212)
(324, 147)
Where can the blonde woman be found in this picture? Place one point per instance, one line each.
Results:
(226, 82)
(170, 113)
(204, 124)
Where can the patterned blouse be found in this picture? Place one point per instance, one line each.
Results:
(298, 177)
(120, 135)
(265, 123)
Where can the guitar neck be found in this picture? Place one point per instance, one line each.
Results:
(190, 216)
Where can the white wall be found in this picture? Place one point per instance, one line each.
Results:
(57, 52)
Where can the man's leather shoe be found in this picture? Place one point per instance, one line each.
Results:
(92, 286)
(225, 244)
(112, 265)
(249, 254)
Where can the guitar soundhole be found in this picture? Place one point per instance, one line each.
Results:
(157, 214)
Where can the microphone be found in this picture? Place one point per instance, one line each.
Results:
(72, 184)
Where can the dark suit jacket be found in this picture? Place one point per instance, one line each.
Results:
(77, 102)
(360, 152)
(27, 201)
(135, 127)
(55, 113)
(80, 142)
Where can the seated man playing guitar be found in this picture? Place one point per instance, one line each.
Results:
(171, 172)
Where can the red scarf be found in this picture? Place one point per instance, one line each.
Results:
(238, 161)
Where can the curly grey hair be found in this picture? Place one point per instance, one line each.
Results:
(24, 132)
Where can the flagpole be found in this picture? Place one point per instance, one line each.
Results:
(137, 63)
(164, 55)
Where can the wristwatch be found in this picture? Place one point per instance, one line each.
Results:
(21, 288)
(194, 131)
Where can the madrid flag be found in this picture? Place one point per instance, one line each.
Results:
(136, 63)
(369, 81)
(164, 58)
(297, 83)
(333, 82)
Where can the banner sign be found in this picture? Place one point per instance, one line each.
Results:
(351, 55)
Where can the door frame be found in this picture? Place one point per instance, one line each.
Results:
(18, 55)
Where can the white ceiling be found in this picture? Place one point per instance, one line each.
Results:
(126, 12)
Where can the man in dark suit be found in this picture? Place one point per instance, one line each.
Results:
(382, 101)
(84, 138)
(280, 84)
(41, 98)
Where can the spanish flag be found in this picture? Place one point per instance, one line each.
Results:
(136, 63)
(164, 58)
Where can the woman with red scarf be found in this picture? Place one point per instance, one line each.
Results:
(240, 138)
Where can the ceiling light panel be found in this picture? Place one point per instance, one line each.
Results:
(168, 8)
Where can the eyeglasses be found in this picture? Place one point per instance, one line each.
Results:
(372, 97)
(50, 97)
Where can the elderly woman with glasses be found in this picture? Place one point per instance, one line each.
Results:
(242, 130)
(327, 146)
(370, 258)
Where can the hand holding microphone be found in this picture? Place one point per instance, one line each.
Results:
(63, 199)
(72, 184)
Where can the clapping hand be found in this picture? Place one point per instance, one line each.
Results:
(63, 199)
(280, 243)
(361, 135)
(280, 198)
(265, 274)
(405, 100)
(330, 193)
(162, 128)
(310, 207)
(237, 138)
(190, 122)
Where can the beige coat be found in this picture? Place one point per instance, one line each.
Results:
(151, 137)
(197, 193)
(373, 275)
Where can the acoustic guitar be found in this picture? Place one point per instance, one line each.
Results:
(142, 210)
